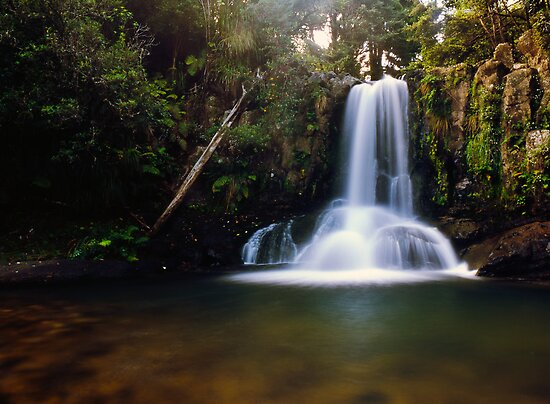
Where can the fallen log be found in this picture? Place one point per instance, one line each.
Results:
(199, 165)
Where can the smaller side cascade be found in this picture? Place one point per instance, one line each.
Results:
(271, 245)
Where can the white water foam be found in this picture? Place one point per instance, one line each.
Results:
(353, 277)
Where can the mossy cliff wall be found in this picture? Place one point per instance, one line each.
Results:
(283, 149)
(482, 134)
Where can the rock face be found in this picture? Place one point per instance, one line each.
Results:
(300, 159)
(493, 159)
(461, 75)
(503, 54)
(490, 74)
(492, 109)
(461, 231)
(519, 91)
(539, 60)
(522, 252)
(538, 152)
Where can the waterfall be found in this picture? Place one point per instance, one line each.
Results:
(373, 225)
(271, 245)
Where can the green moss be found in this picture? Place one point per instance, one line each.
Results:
(251, 138)
(484, 135)
(434, 104)
(534, 177)
(431, 149)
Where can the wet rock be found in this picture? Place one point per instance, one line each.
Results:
(463, 189)
(522, 252)
(340, 86)
(213, 109)
(323, 111)
(460, 230)
(321, 78)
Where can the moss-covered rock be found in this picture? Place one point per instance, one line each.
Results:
(538, 58)
(517, 96)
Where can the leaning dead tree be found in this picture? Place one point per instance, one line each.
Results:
(199, 165)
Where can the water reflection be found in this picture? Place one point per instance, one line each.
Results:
(214, 341)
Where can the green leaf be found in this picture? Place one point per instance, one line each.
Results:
(141, 240)
(105, 243)
(149, 169)
(220, 183)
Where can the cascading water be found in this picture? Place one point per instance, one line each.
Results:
(372, 228)
(271, 245)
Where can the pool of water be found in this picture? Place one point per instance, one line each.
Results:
(212, 340)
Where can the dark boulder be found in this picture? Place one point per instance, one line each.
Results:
(520, 253)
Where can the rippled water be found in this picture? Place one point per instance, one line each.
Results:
(209, 340)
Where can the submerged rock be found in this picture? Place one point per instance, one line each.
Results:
(519, 253)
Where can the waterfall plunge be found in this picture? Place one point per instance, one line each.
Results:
(373, 227)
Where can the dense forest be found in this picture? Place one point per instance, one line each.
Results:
(106, 104)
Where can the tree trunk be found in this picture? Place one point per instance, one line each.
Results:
(199, 165)
(375, 61)
(334, 31)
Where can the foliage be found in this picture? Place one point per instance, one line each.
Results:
(234, 173)
(118, 241)
(534, 176)
(484, 137)
(434, 152)
(236, 188)
(375, 33)
(249, 138)
(286, 98)
(456, 31)
(435, 103)
(432, 100)
(87, 116)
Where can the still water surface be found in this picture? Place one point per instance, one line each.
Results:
(209, 340)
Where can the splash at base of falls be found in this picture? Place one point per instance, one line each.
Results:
(359, 246)
(348, 237)
(355, 277)
(372, 236)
